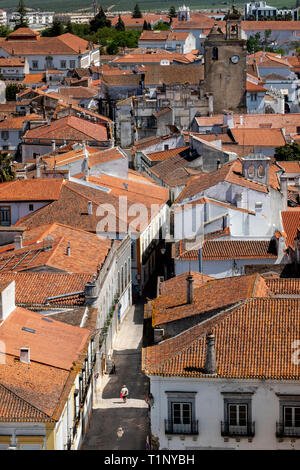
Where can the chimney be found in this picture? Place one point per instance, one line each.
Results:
(25, 355)
(210, 359)
(53, 145)
(228, 119)
(241, 120)
(284, 189)
(218, 164)
(7, 300)
(190, 289)
(38, 169)
(18, 242)
(90, 292)
(90, 208)
(68, 249)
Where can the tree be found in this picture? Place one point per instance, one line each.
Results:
(160, 26)
(145, 26)
(21, 21)
(137, 12)
(120, 26)
(172, 13)
(4, 31)
(112, 49)
(288, 152)
(100, 21)
(7, 172)
(69, 28)
(11, 91)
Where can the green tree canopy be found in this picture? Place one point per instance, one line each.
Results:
(56, 29)
(160, 26)
(120, 26)
(21, 21)
(137, 12)
(100, 21)
(172, 12)
(288, 152)
(11, 91)
(7, 172)
(69, 27)
(4, 31)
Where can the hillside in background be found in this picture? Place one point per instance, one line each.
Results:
(121, 5)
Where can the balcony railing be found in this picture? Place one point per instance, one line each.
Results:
(172, 428)
(238, 431)
(287, 431)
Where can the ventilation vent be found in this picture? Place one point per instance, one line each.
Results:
(29, 330)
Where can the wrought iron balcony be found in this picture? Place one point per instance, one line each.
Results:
(287, 431)
(190, 428)
(237, 431)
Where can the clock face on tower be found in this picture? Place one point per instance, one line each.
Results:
(235, 59)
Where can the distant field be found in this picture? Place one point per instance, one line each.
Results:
(121, 5)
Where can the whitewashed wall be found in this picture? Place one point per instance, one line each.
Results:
(209, 411)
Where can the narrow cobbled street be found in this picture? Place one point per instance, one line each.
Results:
(116, 425)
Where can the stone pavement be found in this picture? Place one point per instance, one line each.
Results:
(116, 425)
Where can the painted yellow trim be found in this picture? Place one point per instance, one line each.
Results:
(50, 440)
(5, 439)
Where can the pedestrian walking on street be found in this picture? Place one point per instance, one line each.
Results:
(124, 393)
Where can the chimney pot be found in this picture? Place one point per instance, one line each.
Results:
(190, 289)
(53, 145)
(90, 208)
(69, 249)
(18, 242)
(25, 355)
(210, 359)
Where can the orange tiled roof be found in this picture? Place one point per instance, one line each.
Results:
(70, 128)
(31, 190)
(39, 385)
(34, 78)
(136, 191)
(211, 296)
(13, 408)
(178, 283)
(233, 249)
(75, 197)
(261, 138)
(289, 122)
(164, 154)
(34, 288)
(272, 25)
(290, 167)
(66, 44)
(291, 223)
(37, 254)
(53, 343)
(252, 87)
(281, 286)
(251, 341)
(17, 122)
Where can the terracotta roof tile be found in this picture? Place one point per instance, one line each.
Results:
(70, 128)
(34, 288)
(52, 343)
(53, 253)
(252, 341)
(164, 154)
(211, 296)
(178, 283)
(290, 223)
(31, 190)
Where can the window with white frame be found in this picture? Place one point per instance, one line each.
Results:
(181, 413)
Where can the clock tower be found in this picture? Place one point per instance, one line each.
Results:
(225, 68)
